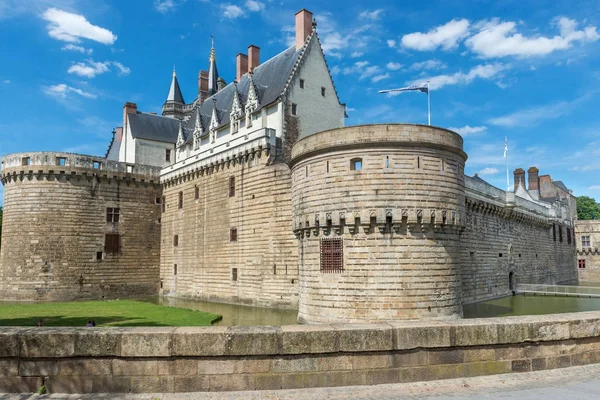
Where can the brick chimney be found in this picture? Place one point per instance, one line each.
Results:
(533, 178)
(303, 27)
(119, 135)
(202, 85)
(253, 57)
(241, 66)
(128, 108)
(519, 177)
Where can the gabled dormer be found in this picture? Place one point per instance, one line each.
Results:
(180, 138)
(236, 110)
(198, 130)
(252, 100)
(214, 121)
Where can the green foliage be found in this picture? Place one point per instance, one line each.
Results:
(104, 313)
(42, 389)
(587, 208)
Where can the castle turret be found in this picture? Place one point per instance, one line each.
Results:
(213, 73)
(173, 106)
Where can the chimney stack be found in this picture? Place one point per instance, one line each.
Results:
(221, 84)
(241, 66)
(128, 108)
(533, 178)
(253, 57)
(303, 27)
(519, 177)
(202, 85)
(119, 136)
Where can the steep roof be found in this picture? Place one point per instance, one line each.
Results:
(113, 150)
(269, 78)
(175, 92)
(153, 127)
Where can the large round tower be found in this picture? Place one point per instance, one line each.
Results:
(78, 227)
(377, 210)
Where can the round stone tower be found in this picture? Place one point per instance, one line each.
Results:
(378, 210)
(78, 227)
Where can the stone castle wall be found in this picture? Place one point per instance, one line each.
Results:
(260, 266)
(399, 217)
(588, 257)
(55, 222)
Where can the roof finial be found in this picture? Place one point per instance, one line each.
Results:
(174, 73)
(212, 48)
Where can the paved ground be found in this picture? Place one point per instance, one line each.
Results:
(565, 384)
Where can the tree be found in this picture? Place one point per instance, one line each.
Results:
(587, 208)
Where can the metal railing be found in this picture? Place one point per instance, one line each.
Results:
(559, 290)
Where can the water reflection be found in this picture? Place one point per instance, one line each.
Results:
(235, 314)
(530, 305)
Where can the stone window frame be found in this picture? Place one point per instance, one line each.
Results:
(581, 263)
(233, 234)
(113, 214)
(586, 241)
(232, 186)
(331, 254)
(61, 161)
(196, 192)
(175, 240)
(180, 200)
(294, 109)
(25, 161)
(175, 269)
(168, 155)
(356, 164)
(234, 274)
(112, 243)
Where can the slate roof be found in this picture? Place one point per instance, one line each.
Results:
(113, 150)
(561, 185)
(154, 127)
(269, 78)
(175, 91)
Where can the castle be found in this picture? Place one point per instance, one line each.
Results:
(256, 193)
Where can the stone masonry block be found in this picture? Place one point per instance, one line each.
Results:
(111, 384)
(520, 332)
(38, 368)
(9, 341)
(294, 364)
(408, 335)
(9, 367)
(550, 331)
(146, 342)
(222, 383)
(85, 367)
(99, 342)
(521, 365)
(215, 367)
(190, 384)
(254, 340)
(583, 328)
(334, 362)
(303, 339)
(47, 342)
(134, 367)
(467, 334)
(364, 337)
(410, 358)
(486, 368)
(201, 341)
(178, 367)
(18, 384)
(151, 384)
(70, 384)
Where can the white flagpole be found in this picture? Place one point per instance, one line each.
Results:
(506, 157)
(428, 105)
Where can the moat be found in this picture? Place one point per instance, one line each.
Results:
(502, 307)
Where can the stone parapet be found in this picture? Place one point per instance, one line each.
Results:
(93, 360)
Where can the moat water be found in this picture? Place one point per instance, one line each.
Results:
(506, 306)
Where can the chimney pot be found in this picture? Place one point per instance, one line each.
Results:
(519, 177)
(304, 27)
(128, 108)
(241, 66)
(533, 178)
(253, 57)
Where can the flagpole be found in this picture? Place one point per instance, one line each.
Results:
(506, 157)
(428, 105)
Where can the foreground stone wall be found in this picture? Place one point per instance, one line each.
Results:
(55, 222)
(589, 269)
(101, 360)
(259, 266)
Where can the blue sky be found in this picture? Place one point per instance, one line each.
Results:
(527, 70)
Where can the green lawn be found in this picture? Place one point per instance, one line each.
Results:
(104, 313)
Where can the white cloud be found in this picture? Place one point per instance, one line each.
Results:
(61, 91)
(70, 27)
(468, 130)
(364, 69)
(231, 11)
(500, 39)
(164, 6)
(535, 115)
(6, 81)
(486, 71)
(391, 43)
(429, 64)
(72, 47)
(393, 66)
(356, 54)
(254, 5)
(374, 15)
(380, 77)
(90, 68)
(335, 70)
(445, 36)
(489, 171)
(594, 187)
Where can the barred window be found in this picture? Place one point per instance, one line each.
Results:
(112, 243)
(581, 264)
(585, 241)
(332, 255)
(112, 214)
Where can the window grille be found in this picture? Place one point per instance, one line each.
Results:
(112, 243)
(112, 214)
(332, 255)
(581, 264)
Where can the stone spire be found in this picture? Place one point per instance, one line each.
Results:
(213, 74)
(173, 106)
(180, 139)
